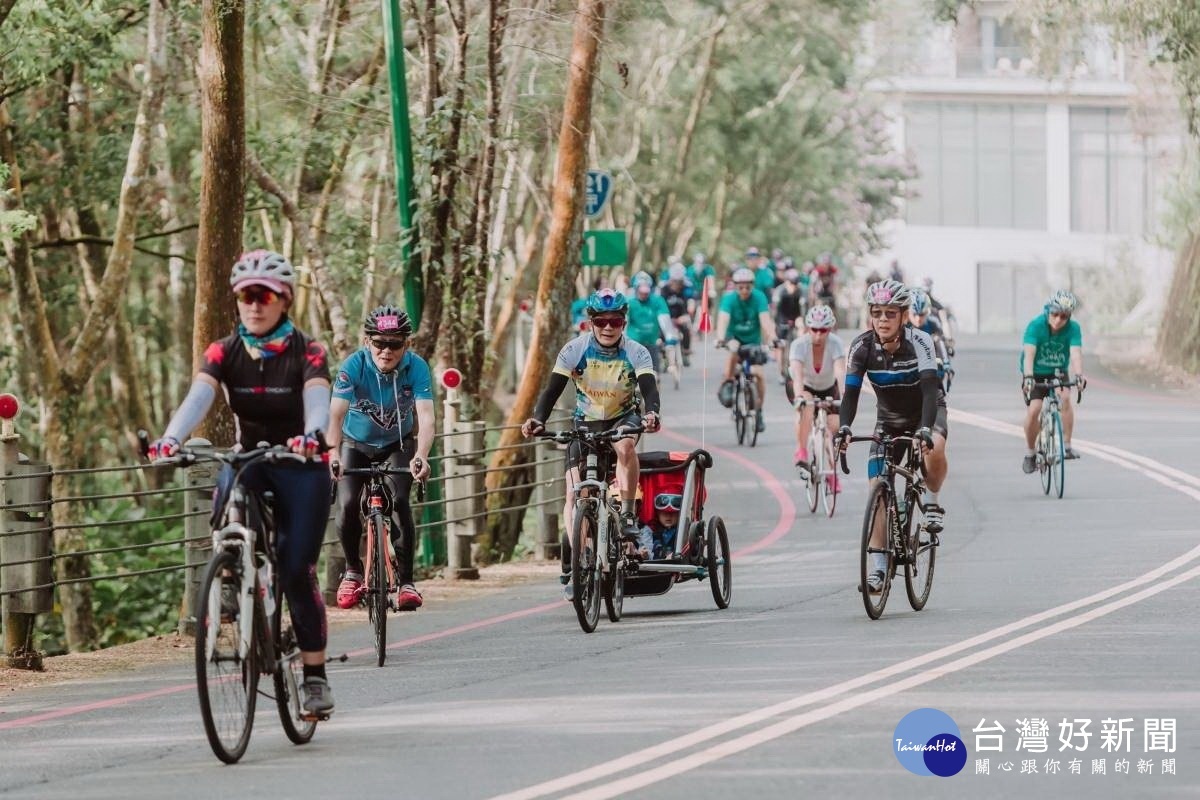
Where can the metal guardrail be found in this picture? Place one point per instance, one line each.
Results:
(30, 517)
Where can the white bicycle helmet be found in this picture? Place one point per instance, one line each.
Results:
(264, 268)
(888, 292)
(642, 278)
(820, 317)
(676, 272)
(1063, 301)
(743, 275)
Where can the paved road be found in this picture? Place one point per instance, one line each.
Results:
(1042, 609)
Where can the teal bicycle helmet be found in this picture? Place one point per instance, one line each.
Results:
(607, 301)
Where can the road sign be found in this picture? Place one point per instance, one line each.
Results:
(599, 188)
(604, 249)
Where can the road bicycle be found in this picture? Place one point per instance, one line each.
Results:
(900, 513)
(379, 579)
(599, 554)
(746, 402)
(1050, 448)
(819, 474)
(241, 629)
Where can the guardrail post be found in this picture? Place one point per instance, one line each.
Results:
(457, 487)
(24, 535)
(548, 474)
(197, 532)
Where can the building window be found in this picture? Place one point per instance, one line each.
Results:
(979, 165)
(1117, 176)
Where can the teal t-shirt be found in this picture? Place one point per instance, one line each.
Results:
(643, 319)
(764, 279)
(1053, 349)
(743, 316)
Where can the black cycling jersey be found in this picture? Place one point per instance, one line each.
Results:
(677, 299)
(266, 395)
(907, 390)
(788, 305)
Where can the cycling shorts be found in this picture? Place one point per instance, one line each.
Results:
(576, 451)
(875, 459)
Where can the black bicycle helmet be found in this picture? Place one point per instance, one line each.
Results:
(387, 319)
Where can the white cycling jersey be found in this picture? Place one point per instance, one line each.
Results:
(817, 376)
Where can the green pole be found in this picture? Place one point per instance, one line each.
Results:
(393, 31)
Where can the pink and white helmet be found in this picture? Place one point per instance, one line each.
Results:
(820, 317)
(888, 292)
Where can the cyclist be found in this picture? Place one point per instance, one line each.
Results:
(702, 270)
(679, 295)
(275, 379)
(942, 313)
(788, 303)
(745, 318)
(650, 319)
(764, 273)
(898, 360)
(823, 288)
(371, 419)
(920, 318)
(817, 362)
(609, 371)
(1053, 343)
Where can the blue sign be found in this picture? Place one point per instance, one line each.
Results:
(599, 187)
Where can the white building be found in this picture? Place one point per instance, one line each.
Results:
(1026, 183)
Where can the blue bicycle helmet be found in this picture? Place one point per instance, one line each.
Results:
(607, 301)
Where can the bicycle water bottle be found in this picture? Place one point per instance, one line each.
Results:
(265, 580)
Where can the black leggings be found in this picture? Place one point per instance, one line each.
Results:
(349, 520)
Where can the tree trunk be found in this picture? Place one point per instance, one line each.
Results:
(555, 285)
(1179, 337)
(222, 193)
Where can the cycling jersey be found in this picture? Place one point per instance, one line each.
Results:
(1053, 349)
(265, 394)
(606, 379)
(907, 390)
(824, 275)
(643, 325)
(788, 304)
(676, 299)
(818, 377)
(381, 403)
(764, 279)
(743, 316)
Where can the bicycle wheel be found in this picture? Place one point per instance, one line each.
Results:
(586, 592)
(918, 572)
(614, 583)
(881, 508)
(289, 674)
(675, 364)
(226, 679)
(377, 585)
(1058, 464)
(720, 563)
(739, 411)
(812, 492)
(753, 405)
(828, 475)
(1043, 455)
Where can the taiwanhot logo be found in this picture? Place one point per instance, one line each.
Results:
(928, 742)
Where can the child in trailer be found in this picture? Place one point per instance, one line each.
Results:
(656, 539)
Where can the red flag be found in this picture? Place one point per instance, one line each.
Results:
(705, 325)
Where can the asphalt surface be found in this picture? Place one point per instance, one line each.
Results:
(1042, 608)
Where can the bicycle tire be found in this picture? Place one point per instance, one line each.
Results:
(1058, 468)
(719, 563)
(226, 683)
(377, 586)
(1043, 458)
(614, 584)
(879, 502)
(288, 676)
(752, 419)
(585, 591)
(828, 476)
(739, 411)
(922, 556)
(812, 492)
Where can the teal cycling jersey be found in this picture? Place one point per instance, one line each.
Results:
(743, 316)
(643, 325)
(1053, 349)
(764, 279)
(381, 403)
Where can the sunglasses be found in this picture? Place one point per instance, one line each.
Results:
(668, 502)
(256, 294)
(608, 322)
(388, 344)
(1060, 314)
(884, 313)
(819, 330)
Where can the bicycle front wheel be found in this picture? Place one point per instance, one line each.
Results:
(880, 512)
(585, 591)
(754, 405)
(614, 584)
(289, 674)
(918, 571)
(812, 491)
(1058, 465)
(828, 476)
(377, 586)
(226, 677)
(1045, 455)
(739, 412)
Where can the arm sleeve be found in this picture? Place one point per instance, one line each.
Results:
(191, 411)
(549, 396)
(856, 368)
(930, 386)
(649, 386)
(316, 408)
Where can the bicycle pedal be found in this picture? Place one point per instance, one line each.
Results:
(307, 717)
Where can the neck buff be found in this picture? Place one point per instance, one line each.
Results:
(270, 344)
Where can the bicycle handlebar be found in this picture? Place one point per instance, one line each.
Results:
(610, 435)
(237, 458)
(1056, 383)
(883, 439)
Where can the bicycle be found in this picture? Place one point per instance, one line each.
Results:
(907, 542)
(819, 475)
(672, 359)
(240, 632)
(598, 559)
(746, 402)
(379, 579)
(1050, 449)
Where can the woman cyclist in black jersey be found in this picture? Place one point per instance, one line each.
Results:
(276, 381)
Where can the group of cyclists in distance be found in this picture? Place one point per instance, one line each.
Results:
(378, 405)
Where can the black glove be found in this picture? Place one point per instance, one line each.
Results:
(841, 439)
(925, 436)
(532, 426)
